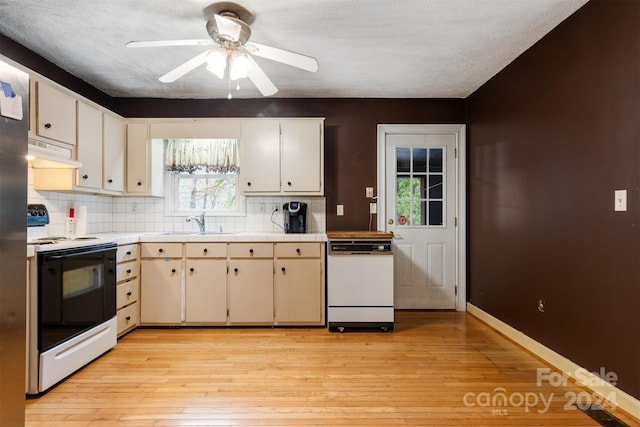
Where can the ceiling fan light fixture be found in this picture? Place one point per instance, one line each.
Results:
(239, 65)
(217, 61)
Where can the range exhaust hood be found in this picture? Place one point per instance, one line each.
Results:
(44, 155)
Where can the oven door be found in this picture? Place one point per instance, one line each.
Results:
(76, 291)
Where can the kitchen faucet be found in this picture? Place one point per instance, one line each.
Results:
(198, 220)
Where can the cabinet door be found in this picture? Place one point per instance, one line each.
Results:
(301, 156)
(113, 150)
(137, 158)
(56, 114)
(206, 291)
(251, 291)
(161, 291)
(89, 147)
(298, 291)
(260, 157)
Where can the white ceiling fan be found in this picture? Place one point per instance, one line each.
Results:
(228, 27)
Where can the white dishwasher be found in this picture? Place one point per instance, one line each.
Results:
(360, 281)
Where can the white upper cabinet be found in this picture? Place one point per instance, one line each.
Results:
(89, 149)
(113, 151)
(301, 156)
(282, 156)
(145, 171)
(55, 114)
(260, 156)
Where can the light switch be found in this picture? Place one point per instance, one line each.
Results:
(620, 203)
(339, 210)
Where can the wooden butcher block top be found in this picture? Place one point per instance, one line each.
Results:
(359, 235)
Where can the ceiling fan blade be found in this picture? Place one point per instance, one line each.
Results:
(286, 57)
(260, 79)
(183, 69)
(160, 43)
(227, 27)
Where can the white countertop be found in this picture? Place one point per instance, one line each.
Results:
(141, 237)
(127, 238)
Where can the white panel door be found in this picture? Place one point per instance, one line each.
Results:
(420, 207)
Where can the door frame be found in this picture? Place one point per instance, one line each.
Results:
(461, 191)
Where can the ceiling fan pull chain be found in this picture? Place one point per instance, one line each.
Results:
(229, 86)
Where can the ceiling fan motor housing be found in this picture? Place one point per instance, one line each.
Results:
(228, 40)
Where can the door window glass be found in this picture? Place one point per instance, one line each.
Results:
(420, 189)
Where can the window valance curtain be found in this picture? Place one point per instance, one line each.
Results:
(209, 155)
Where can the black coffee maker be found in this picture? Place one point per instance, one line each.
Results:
(295, 217)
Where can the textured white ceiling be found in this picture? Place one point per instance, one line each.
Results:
(365, 48)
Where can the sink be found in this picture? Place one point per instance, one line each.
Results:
(213, 233)
(192, 233)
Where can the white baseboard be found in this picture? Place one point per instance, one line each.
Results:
(592, 382)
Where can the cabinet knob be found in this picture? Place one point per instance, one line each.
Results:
(129, 293)
(298, 250)
(129, 271)
(251, 251)
(139, 182)
(235, 270)
(248, 184)
(110, 181)
(85, 176)
(173, 270)
(205, 250)
(128, 252)
(128, 318)
(284, 269)
(289, 183)
(160, 250)
(192, 269)
(47, 125)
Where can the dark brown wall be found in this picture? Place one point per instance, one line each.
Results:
(550, 139)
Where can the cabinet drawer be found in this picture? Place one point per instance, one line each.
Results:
(162, 250)
(127, 292)
(251, 250)
(298, 250)
(128, 317)
(127, 270)
(127, 252)
(206, 250)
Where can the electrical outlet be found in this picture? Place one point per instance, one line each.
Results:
(339, 210)
(368, 192)
(373, 208)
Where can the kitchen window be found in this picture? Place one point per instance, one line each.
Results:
(202, 176)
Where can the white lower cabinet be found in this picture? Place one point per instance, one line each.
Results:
(238, 284)
(161, 291)
(206, 283)
(127, 288)
(299, 284)
(161, 287)
(251, 292)
(251, 283)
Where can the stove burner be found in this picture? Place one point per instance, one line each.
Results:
(58, 239)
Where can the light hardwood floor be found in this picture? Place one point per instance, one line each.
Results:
(435, 369)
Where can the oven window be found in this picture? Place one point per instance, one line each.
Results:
(80, 281)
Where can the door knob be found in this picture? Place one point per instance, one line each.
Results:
(390, 221)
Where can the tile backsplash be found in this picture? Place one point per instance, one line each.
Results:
(147, 214)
